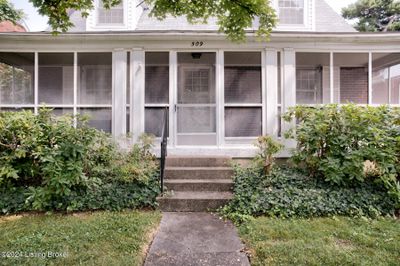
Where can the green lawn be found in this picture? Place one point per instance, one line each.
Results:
(102, 238)
(323, 241)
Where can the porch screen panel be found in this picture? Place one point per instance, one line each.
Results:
(351, 78)
(243, 94)
(95, 88)
(154, 120)
(312, 78)
(156, 91)
(17, 79)
(386, 78)
(100, 118)
(238, 122)
(56, 78)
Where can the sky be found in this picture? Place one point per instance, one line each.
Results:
(36, 22)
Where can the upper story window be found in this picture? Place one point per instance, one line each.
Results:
(291, 12)
(114, 15)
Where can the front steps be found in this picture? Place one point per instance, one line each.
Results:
(196, 184)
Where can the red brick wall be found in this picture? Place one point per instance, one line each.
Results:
(354, 85)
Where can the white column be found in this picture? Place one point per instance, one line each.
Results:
(36, 84)
(119, 93)
(173, 86)
(271, 73)
(137, 94)
(220, 100)
(289, 89)
(370, 78)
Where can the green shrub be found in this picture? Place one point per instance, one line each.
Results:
(348, 145)
(48, 164)
(268, 148)
(289, 192)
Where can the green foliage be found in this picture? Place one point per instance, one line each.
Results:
(9, 13)
(268, 147)
(340, 144)
(234, 17)
(374, 15)
(57, 166)
(288, 192)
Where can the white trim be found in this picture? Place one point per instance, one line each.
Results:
(36, 83)
(264, 101)
(75, 86)
(331, 78)
(220, 94)
(119, 93)
(138, 94)
(173, 87)
(289, 87)
(370, 78)
(272, 92)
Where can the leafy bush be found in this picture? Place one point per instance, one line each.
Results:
(53, 165)
(347, 145)
(268, 147)
(289, 192)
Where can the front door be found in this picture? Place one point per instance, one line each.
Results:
(196, 100)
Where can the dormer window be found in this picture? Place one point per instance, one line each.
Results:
(291, 12)
(112, 16)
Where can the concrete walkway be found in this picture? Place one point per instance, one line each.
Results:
(196, 239)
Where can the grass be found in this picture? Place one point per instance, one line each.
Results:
(322, 241)
(102, 238)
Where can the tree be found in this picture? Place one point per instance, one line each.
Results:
(234, 16)
(374, 15)
(9, 13)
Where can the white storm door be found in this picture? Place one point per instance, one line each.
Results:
(196, 101)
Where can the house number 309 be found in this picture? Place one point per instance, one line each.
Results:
(197, 44)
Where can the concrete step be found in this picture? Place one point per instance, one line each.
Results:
(192, 201)
(198, 161)
(198, 173)
(199, 184)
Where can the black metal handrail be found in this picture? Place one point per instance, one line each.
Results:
(164, 144)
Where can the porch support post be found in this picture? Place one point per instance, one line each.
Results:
(289, 89)
(220, 91)
(173, 85)
(137, 94)
(271, 59)
(119, 93)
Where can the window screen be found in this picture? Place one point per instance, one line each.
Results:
(386, 78)
(154, 121)
(56, 78)
(351, 77)
(95, 78)
(243, 86)
(243, 122)
(99, 118)
(17, 78)
(157, 78)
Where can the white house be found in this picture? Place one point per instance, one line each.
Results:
(124, 69)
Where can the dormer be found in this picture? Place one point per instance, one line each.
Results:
(124, 16)
(295, 15)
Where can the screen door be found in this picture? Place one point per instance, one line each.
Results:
(196, 102)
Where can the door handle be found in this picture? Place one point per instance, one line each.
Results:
(176, 108)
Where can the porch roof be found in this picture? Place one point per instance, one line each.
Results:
(284, 36)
